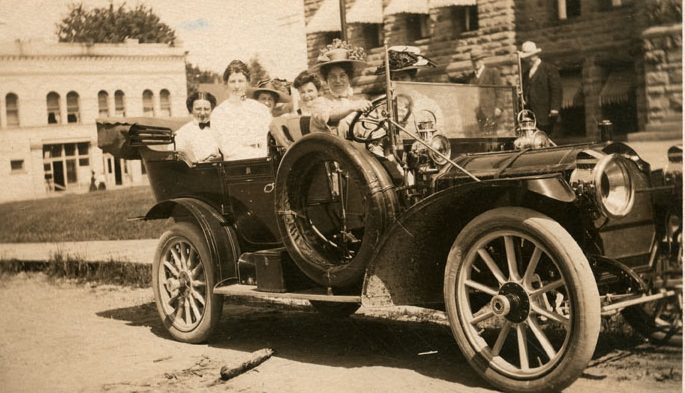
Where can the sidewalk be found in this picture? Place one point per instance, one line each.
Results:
(133, 251)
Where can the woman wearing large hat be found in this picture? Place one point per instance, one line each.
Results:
(267, 93)
(337, 65)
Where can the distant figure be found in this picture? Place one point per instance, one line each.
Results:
(489, 101)
(542, 89)
(93, 186)
(196, 141)
(308, 85)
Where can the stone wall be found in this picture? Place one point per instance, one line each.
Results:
(445, 44)
(600, 39)
(663, 75)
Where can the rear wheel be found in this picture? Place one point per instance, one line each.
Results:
(522, 301)
(183, 281)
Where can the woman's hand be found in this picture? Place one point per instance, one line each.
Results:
(361, 105)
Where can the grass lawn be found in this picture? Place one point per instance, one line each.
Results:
(92, 216)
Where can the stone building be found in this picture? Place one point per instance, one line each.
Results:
(50, 96)
(614, 63)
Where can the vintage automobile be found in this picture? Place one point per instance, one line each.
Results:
(524, 244)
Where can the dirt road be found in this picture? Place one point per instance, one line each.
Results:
(69, 337)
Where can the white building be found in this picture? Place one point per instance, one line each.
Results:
(50, 96)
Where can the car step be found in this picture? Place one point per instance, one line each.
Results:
(318, 294)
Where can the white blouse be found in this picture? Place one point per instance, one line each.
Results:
(241, 128)
(198, 144)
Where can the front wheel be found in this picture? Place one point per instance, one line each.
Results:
(522, 301)
(183, 282)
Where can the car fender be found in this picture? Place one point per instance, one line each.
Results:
(218, 232)
(408, 266)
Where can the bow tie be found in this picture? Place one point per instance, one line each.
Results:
(203, 125)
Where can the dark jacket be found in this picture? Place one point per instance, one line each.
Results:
(489, 98)
(543, 92)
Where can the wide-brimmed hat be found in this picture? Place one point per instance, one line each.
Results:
(340, 52)
(477, 54)
(405, 58)
(529, 49)
(267, 86)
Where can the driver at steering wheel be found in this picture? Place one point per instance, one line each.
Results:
(333, 111)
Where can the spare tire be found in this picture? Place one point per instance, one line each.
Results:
(334, 201)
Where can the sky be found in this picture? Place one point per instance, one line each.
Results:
(214, 32)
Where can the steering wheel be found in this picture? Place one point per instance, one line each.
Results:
(369, 122)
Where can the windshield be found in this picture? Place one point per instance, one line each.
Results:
(455, 111)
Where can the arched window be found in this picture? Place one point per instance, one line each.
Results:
(12, 109)
(73, 115)
(103, 104)
(148, 103)
(53, 108)
(119, 104)
(165, 102)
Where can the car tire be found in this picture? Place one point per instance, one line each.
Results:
(335, 310)
(536, 329)
(310, 209)
(183, 278)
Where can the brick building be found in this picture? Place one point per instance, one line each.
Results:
(613, 62)
(50, 96)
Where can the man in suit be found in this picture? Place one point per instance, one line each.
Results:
(489, 101)
(489, 107)
(542, 89)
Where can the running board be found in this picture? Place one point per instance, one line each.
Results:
(317, 294)
(616, 307)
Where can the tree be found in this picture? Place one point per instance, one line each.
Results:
(257, 71)
(195, 76)
(113, 25)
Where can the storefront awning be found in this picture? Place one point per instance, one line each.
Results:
(365, 11)
(407, 7)
(450, 3)
(326, 18)
(572, 90)
(617, 88)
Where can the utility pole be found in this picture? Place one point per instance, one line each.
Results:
(343, 21)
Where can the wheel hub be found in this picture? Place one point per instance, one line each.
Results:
(511, 303)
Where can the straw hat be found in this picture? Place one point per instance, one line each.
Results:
(477, 54)
(267, 86)
(405, 58)
(340, 52)
(529, 49)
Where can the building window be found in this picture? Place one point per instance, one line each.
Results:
(103, 105)
(148, 104)
(464, 19)
(373, 35)
(608, 5)
(12, 109)
(17, 166)
(417, 27)
(568, 9)
(165, 102)
(73, 115)
(329, 36)
(53, 108)
(119, 104)
(61, 164)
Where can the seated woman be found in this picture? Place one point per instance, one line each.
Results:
(196, 140)
(337, 68)
(241, 123)
(308, 85)
(267, 93)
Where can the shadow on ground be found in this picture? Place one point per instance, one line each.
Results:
(300, 334)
